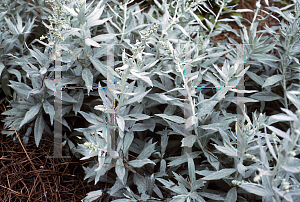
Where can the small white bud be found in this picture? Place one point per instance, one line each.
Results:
(258, 4)
(126, 60)
(291, 153)
(298, 113)
(256, 178)
(87, 144)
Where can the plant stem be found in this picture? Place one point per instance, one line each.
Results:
(125, 14)
(170, 25)
(218, 15)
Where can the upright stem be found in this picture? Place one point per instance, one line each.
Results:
(222, 6)
(284, 81)
(161, 37)
(125, 14)
(169, 26)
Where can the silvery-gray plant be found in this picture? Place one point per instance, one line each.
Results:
(160, 110)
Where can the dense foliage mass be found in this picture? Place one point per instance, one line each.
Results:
(170, 90)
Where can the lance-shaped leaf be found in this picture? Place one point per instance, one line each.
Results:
(220, 174)
(120, 169)
(39, 128)
(255, 189)
(188, 141)
(273, 79)
(279, 132)
(139, 163)
(91, 42)
(121, 122)
(137, 98)
(140, 75)
(231, 195)
(30, 115)
(265, 96)
(20, 88)
(93, 195)
(87, 76)
(147, 151)
(176, 119)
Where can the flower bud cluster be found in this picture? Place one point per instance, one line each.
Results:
(126, 61)
(120, 71)
(247, 129)
(57, 13)
(166, 47)
(149, 33)
(188, 5)
(250, 156)
(139, 62)
(138, 48)
(258, 177)
(261, 119)
(236, 182)
(81, 3)
(164, 44)
(43, 37)
(285, 185)
(130, 62)
(92, 146)
(69, 51)
(291, 153)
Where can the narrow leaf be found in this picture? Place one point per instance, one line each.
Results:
(120, 169)
(49, 109)
(121, 122)
(139, 163)
(272, 80)
(188, 141)
(173, 118)
(39, 128)
(87, 76)
(137, 98)
(220, 174)
(255, 189)
(279, 132)
(265, 96)
(29, 116)
(231, 195)
(91, 42)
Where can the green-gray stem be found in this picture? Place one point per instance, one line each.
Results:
(125, 13)
(222, 6)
